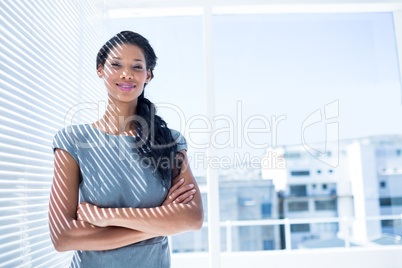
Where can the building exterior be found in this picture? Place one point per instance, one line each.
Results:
(364, 180)
(243, 195)
(349, 180)
(383, 194)
(247, 200)
(310, 188)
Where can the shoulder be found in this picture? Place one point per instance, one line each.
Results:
(75, 132)
(177, 136)
(179, 139)
(74, 137)
(175, 133)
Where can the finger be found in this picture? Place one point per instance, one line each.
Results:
(184, 196)
(176, 186)
(182, 190)
(188, 199)
(176, 191)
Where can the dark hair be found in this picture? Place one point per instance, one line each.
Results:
(155, 140)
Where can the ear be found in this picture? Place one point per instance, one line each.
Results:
(100, 71)
(149, 76)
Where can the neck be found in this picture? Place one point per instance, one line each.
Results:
(118, 117)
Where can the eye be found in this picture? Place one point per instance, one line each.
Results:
(115, 64)
(138, 67)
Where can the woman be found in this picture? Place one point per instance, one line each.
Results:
(129, 171)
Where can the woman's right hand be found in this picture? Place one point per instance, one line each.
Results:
(180, 194)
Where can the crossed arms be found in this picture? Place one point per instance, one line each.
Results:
(84, 226)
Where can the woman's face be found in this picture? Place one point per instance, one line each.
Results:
(125, 73)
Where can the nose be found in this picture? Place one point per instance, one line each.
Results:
(126, 74)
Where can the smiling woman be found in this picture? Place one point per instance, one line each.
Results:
(128, 170)
(125, 73)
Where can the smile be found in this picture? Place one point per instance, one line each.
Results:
(125, 86)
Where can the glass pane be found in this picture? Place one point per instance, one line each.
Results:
(287, 88)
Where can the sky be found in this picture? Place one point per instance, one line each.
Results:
(271, 72)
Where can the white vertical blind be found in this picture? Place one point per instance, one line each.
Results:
(47, 51)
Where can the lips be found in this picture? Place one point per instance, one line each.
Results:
(125, 86)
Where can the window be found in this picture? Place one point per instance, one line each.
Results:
(327, 227)
(385, 202)
(324, 186)
(298, 190)
(297, 206)
(383, 184)
(318, 171)
(299, 228)
(266, 210)
(330, 171)
(268, 245)
(398, 152)
(394, 201)
(292, 155)
(322, 205)
(300, 173)
(333, 191)
(246, 201)
(391, 223)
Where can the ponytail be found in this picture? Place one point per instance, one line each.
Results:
(157, 143)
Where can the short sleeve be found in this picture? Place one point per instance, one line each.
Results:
(64, 139)
(181, 141)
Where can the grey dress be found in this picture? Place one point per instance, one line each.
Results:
(113, 175)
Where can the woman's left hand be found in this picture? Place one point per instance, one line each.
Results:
(91, 214)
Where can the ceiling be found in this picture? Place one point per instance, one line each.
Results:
(119, 4)
(260, 6)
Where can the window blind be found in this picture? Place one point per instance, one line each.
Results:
(48, 51)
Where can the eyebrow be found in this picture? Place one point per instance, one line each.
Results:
(120, 59)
